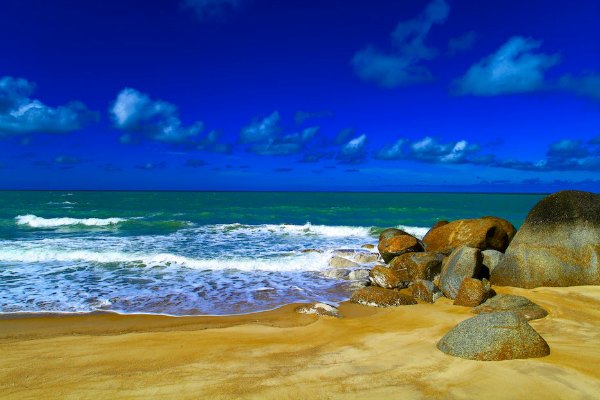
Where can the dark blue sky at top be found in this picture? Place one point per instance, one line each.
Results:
(300, 95)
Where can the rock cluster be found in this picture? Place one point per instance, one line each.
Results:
(558, 245)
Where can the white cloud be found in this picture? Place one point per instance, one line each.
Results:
(393, 152)
(261, 129)
(265, 137)
(514, 68)
(428, 149)
(19, 114)
(401, 65)
(140, 117)
(353, 152)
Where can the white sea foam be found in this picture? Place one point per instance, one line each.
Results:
(306, 229)
(417, 231)
(34, 221)
(45, 254)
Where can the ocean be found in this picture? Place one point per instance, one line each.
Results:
(209, 253)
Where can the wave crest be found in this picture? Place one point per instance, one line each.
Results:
(34, 221)
(306, 229)
(291, 262)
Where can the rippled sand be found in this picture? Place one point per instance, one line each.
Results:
(372, 353)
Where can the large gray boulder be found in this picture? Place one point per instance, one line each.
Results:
(494, 337)
(558, 244)
(509, 302)
(491, 259)
(464, 262)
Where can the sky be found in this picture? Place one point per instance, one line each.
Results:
(329, 95)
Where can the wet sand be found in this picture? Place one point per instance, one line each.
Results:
(371, 353)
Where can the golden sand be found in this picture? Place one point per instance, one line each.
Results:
(371, 353)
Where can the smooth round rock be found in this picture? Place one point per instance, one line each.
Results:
(494, 337)
(509, 302)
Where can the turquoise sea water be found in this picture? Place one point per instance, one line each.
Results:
(202, 252)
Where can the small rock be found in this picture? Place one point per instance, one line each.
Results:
(494, 337)
(340, 262)
(319, 309)
(336, 273)
(344, 252)
(426, 291)
(509, 302)
(491, 259)
(464, 262)
(472, 292)
(368, 246)
(422, 265)
(379, 297)
(365, 258)
(388, 278)
(397, 245)
(359, 275)
(311, 251)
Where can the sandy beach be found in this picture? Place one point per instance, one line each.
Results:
(374, 353)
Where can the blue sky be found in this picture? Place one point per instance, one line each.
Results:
(436, 95)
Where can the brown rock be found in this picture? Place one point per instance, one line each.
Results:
(390, 232)
(472, 292)
(437, 225)
(558, 244)
(464, 262)
(388, 278)
(426, 291)
(421, 265)
(483, 233)
(368, 246)
(379, 297)
(397, 245)
(509, 228)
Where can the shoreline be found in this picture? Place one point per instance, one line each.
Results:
(375, 352)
